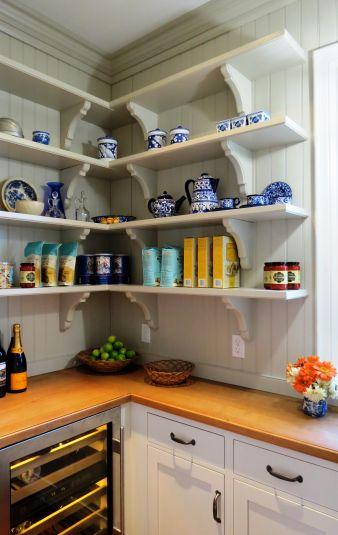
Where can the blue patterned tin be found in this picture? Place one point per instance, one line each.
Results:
(180, 134)
(107, 147)
(258, 117)
(316, 409)
(103, 270)
(121, 269)
(85, 269)
(224, 125)
(157, 139)
(238, 122)
(41, 136)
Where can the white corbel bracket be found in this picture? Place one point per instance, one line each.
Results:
(69, 120)
(242, 160)
(144, 238)
(147, 178)
(68, 305)
(242, 309)
(70, 177)
(240, 86)
(243, 234)
(79, 234)
(148, 305)
(147, 119)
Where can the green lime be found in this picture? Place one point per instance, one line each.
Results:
(118, 345)
(104, 355)
(123, 350)
(114, 354)
(111, 339)
(108, 347)
(96, 353)
(130, 354)
(101, 349)
(121, 356)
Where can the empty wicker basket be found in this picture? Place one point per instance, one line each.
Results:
(169, 372)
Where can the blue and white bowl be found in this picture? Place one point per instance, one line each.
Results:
(280, 200)
(203, 206)
(157, 139)
(180, 134)
(258, 117)
(41, 136)
(256, 200)
(107, 147)
(224, 125)
(238, 122)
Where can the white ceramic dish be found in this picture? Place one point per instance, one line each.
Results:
(29, 207)
(17, 189)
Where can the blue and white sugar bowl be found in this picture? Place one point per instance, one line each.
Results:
(157, 139)
(41, 136)
(258, 117)
(180, 134)
(107, 147)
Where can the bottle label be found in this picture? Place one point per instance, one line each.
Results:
(17, 350)
(18, 381)
(294, 276)
(2, 374)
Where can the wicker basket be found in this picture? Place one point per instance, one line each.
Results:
(169, 372)
(103, 366)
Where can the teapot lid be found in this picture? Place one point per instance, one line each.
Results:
(165, 195)
(206, 175)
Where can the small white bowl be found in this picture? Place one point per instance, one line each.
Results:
(29, 207)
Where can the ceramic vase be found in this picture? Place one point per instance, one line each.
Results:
(316, 409)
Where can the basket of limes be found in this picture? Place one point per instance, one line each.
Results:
(111, 357)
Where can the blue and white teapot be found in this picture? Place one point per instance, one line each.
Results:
(165, 205)
(203, 197)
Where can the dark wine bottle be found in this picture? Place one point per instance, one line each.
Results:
(16, 364)
(3, 365)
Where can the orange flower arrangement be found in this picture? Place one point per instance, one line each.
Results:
(313, 378)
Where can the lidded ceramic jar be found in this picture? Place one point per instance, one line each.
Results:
(107, 146)
(157, 139)
(180, 134)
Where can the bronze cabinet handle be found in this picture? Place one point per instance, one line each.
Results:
(192, 442)
(214, 507)
(284, 478)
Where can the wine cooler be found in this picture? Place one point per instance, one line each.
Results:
(66, 481)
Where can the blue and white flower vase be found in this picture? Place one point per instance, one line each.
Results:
(258, 117)
(224, 125)
(316, 409)
(157, 139)
(180, 134)
(41, 136)
(107, 147)
(238, 122)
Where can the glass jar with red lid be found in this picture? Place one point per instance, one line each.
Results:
(27, 275)
(293, 275)
(278, 276)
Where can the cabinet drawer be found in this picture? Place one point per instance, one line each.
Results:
(203, 445)
(318, 484)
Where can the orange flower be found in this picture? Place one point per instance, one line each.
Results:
(300, 362)
(313, 359)
(325, 371)
(304, 379)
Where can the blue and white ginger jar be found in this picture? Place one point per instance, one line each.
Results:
(107, 148)
(180, 134)
(157, 139)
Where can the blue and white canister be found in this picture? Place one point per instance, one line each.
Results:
(121, 269)
(41, 136)
(107, 147)
(85, 269)
(238, 122)
(103, 269)
(157, 139)
(180, 134)
(224, 125)
(258, 117)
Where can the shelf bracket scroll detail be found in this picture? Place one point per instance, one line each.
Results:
(147, 178)
(79, 234)
(69, 177)
(243, 234)
(242, 310)
(144, 238)
(240, 86)
(147, 119)
(149, 306)
(68, 305)
(69, 120)
(242, 160)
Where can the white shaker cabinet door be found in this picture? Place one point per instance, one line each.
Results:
(258, 512)
(183, 498)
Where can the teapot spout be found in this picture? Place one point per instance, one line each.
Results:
(179, 203)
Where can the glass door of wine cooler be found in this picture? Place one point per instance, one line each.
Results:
(61, 482)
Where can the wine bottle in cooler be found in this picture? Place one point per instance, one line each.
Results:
(3, 366)
(16, 364)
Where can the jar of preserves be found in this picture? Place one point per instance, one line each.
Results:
(267, 275)
(278, 276)
(27, 275)
(293, 275)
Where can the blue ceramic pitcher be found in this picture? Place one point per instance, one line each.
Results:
(203, 197)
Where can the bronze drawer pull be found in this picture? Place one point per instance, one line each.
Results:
(284, 478)
(214, 507)
(180, 441)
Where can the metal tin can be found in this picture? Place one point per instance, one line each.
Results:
(121, 269)
(171, 267)
(103, 270)
(151, 264)
(27, 275)
(6, 275)
(85, 269)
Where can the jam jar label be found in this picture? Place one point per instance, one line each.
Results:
(294, 276)
(27, 277)
(279, 277)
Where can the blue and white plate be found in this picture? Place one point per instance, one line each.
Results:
(278, 189)
(17, 189)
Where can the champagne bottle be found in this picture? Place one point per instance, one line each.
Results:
(16, 364)
(3, 364)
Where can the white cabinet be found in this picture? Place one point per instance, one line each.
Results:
(258, 512)
(183, 497)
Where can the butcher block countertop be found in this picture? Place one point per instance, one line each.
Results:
(58, 398)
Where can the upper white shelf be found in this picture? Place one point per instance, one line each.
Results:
(279, 131)
(33, 85)
(271, 53)
(50, 223)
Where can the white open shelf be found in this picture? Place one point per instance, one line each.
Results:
(237, 67)
(50, 223)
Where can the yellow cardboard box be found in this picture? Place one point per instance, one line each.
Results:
(204, 262)
(190, 263)
(226, 266)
